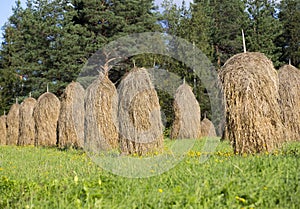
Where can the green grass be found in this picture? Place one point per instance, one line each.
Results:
(49, 178)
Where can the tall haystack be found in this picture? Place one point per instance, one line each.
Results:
(207, 128)
(250, 85)
(46, 113)
(141, 129)
(101, 107)
(3, 130)
(187, 121)
(27, 124)
(71, 118)
(12, 121)
(289, 91)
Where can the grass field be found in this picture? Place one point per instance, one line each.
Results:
(49, 178)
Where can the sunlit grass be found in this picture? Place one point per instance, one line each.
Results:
(50, 178)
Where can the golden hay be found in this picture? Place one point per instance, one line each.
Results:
(26, 122)
(101, 107)
(250, 85)
(46, 113)
(12, 121)
(3, 130)
(289, 91)
(207, 128)
(71, 118)
(187, 121)
(141, 129)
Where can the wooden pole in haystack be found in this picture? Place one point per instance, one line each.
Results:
(101, 108)
(244, 41)
(187, 121)
(46, 113)
(250, 85)
(71, 118)
(26, 121)
(289, 86)
(141, 129)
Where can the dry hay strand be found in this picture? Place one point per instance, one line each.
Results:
(141, 129)
(101, 108)
(71, 118)
(187, 121)
(208, 128)
(250, 85)
(12, 121)
(289, 91)
(26, 122)
(46, 113)
(3, 130)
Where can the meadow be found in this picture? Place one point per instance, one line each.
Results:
(32, 177)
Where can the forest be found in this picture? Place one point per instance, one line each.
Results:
(47, 42)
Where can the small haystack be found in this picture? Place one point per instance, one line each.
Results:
(71, 118)
(187, 121)
(250, 85)
(289, 91)
(101, 107)
(27, 124)
(141, 129)
(3, 130)
(207, 128)
(12, 121)
(46, 113)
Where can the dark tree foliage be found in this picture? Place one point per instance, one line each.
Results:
(289, 40)
(263, 29)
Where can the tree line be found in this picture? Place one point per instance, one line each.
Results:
(48, 42)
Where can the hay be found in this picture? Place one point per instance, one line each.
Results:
(71, 118)
(27, 124)
(250, 85)
(141, 129)
(289, 91)
(13, 125)
(46, 113)
(3, 130)
(101, 107)
(187, 121)
(208, 128)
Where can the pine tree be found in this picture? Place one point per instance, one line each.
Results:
(264, 28)
(227, 21)
(289, 41)
(12, 62)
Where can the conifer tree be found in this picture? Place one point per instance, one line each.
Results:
(289, 40)
(264, 28)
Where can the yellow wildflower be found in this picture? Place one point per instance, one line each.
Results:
(240, 199)
(76, 179)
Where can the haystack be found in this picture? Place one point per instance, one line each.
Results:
(101, 107)
(207, 128)
(141, 129)
(46, 113)
(12, 121)
(187, 121)
(3, 130)
(289, 91)
(27, 124)
(250, 85)
(71, 118)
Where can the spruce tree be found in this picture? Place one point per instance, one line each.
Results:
(227, 21)
(289, 40)
(264, 28)
(12, 59)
